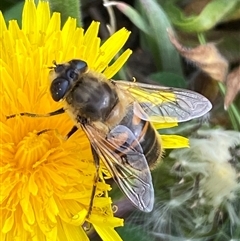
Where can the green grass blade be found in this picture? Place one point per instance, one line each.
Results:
(166, 57)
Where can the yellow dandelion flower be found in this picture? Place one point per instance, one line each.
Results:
(46, 182)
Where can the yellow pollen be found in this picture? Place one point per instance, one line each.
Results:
(31, 149)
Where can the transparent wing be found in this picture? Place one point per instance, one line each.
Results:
(165, 104)
(123, 156)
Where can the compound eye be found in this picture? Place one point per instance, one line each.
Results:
(59, 88)
(80, 65)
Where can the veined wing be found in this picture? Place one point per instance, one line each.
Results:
(123, 156)
(165, 104)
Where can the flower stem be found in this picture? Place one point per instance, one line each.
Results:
(232, 111)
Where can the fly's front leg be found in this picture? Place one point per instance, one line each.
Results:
(27, 114)
(34, 115)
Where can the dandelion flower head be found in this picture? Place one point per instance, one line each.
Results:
(46, 182)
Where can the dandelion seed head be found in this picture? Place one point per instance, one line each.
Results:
(209, 157)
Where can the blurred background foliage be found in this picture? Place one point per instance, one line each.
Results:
(156, 59)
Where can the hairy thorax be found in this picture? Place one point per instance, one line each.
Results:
(99, 102)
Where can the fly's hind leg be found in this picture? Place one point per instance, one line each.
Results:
(95, 181)
(96, 176)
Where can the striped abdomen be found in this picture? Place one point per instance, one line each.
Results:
(145, 134)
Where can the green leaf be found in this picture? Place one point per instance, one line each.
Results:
(235, 15)
(15, 12)
(166, 57)
(132, 14)
(153, 23)
(214, 12)
(67, 8)
(6, 4)
(169, 79)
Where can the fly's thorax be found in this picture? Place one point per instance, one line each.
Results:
(92, 97)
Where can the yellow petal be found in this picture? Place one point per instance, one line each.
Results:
(174, 141)
(107, 234)
(44, 11)
(8, 224)
(109, 49)
(91, 40)
(3, 26)
(164, 125)
(113, 69)
(29, 20)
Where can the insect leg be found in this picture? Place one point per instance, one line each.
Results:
(97, 165)
(43, 131)
(56, 112)
(96, 177)
(71, 132)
